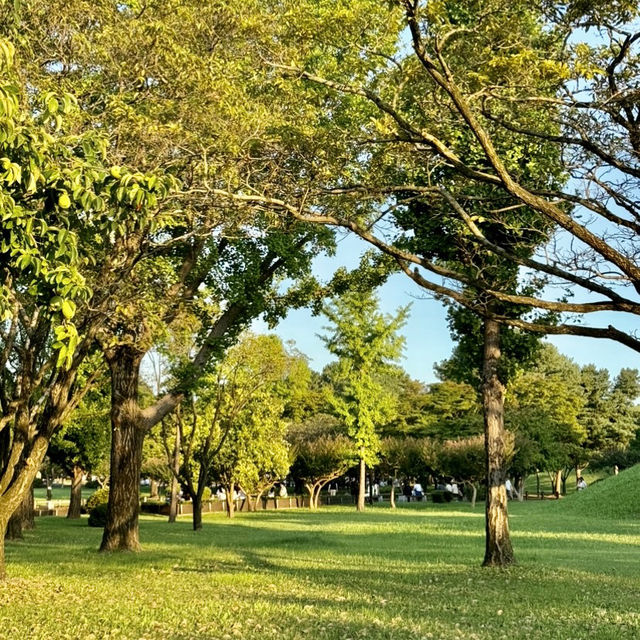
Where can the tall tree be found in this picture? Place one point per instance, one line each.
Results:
(365, 342)
(67, 216)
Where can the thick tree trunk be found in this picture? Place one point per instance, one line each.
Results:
(127, 435)
(22, 518)
(498, 550)
(197, 512)
(153, 489)
(75, 497)
(20, 490)
(173, 505)
(361, 485)
(392, 496)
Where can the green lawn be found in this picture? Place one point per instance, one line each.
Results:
(330, 574)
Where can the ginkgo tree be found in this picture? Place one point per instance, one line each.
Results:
(365, 342)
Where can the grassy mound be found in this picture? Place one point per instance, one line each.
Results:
(616, 497)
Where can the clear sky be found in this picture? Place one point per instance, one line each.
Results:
(427, 333)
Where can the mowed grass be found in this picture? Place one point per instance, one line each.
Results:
(333, 574)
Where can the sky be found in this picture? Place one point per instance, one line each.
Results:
(426, 332)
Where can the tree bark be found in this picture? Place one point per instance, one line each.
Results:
(127, 435)
(498, 549)
(197, 511)
(153, 489)
(474, 495)
(75, 497)
(361, 485)
(22, 518)
(392, 496)
(173, 505)
(557, 483)
(230, 501)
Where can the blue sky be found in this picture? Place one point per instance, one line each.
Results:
(426, 332)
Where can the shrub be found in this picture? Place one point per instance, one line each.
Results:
(153, 506)
(442, 496)
(206, 494)
(101, 496)
(98, 515)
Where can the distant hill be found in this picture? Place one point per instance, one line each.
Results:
(616, 497)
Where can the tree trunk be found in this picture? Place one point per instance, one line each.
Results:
(197, 511)
(22, 518)
(361, 485)
(230, 501)
(312, 490)
(21, 490)
(392, 496)
(578, 474)
(498, 550)
(520, 480)
(474, 495)
(127, 435)
(557, 483)
(173, 505)
(75, 497)
(153, 489)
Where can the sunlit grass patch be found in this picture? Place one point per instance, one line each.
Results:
(332, 574)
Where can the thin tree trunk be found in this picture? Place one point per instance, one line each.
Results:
(127, 435)
(392, 496)
(230, 501)
(75, 497)
(173, 505)
(498, 550)
(578, 474)
(361, 485)
(557, 483)
(474, 495)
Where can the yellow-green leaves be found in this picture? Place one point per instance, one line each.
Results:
(64, 202)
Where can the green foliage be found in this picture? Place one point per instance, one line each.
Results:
(366, 343)
(98, 498)
(98, 515)
(464, 459)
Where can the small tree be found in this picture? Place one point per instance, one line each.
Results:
(366, 343)
(464, 460)
(319, 460)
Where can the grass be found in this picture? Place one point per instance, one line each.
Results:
(333, 574)
(617, 497)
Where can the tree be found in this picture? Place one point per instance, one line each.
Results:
(404, 457)
(463, 459)
(319, 456)
(544, 407)
(81, 446)
(233, 430)
(366, 343)
(66, 215)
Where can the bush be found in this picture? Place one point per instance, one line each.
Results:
(441, 496)
(153, 506)
(98, 515)
(206, 494)
(99, 497)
